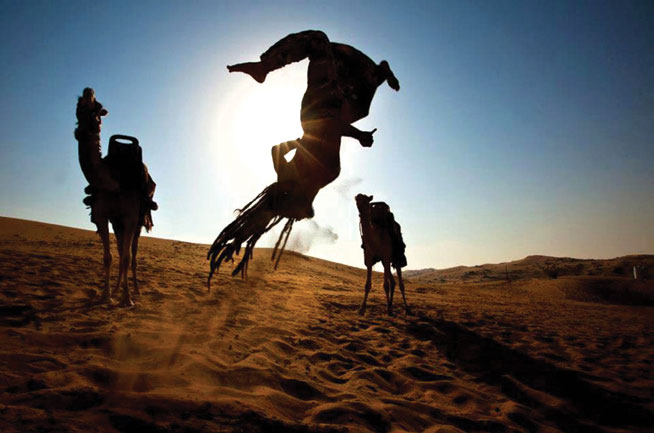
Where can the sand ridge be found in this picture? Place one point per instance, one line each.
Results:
(286, 351)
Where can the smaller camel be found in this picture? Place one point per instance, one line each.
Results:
(382, 241)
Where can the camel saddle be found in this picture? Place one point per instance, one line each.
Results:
(125, 157)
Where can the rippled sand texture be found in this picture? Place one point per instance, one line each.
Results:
(285, 351)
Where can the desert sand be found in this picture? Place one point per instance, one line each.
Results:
(286, 351)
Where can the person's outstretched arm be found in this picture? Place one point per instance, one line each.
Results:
(364, 137)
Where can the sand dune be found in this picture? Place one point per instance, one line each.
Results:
(285, 351)
(541, 267)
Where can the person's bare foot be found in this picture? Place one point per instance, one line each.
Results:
(253, 69)
(390, 77)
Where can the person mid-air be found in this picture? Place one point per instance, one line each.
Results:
(341, 84)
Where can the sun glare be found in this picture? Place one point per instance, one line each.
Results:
(254, 117)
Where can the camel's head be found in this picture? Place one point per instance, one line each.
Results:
(88, 94)
(363, 201)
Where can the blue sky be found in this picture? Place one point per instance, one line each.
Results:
(520, 128)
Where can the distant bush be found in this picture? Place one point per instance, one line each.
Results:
(551, 271)
(619, 270)
(468, 274)
(612, 290)
(643, 273)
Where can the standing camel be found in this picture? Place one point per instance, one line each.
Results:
(382, 241)
(121, 192)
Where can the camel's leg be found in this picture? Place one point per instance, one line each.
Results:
(365, 295)
(128, 232)
(392, 285)
(386, 285)
(389, 286)
(399, 278)
(135, 247)
(103, 231)
(118, 232)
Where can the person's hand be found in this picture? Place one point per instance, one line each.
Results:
(366, 139)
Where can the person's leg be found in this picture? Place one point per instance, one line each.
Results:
(279, 152)
(290, 49)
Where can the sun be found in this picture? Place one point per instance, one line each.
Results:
(254, 117)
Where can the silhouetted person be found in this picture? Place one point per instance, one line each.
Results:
(341, 83)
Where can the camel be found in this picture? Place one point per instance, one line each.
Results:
(127, 212)
(126, 207)
(382, 241)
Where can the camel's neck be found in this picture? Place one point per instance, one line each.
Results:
(89, 140)
(366, 222)
(90, 152)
